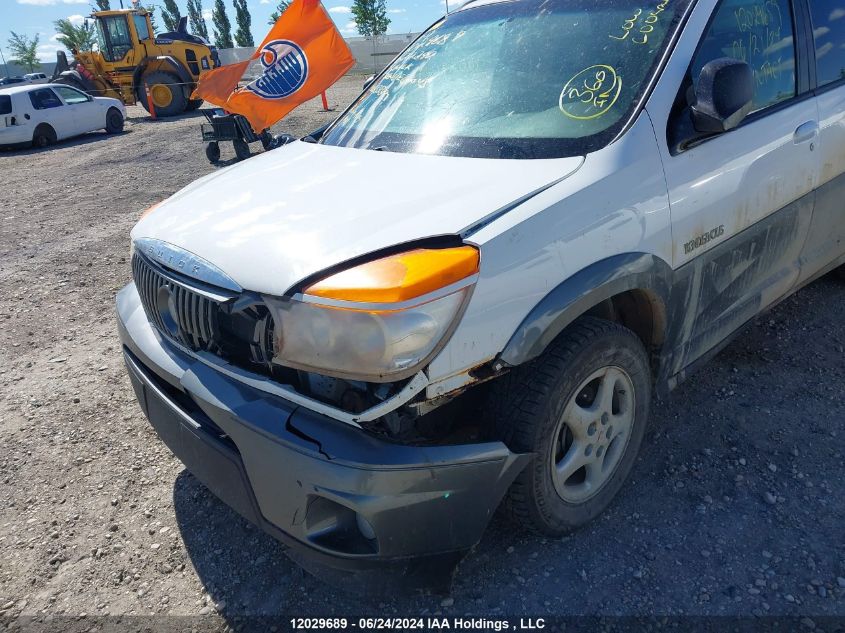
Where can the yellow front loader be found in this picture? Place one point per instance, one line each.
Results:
(131, 61)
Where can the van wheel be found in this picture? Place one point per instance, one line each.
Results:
(581, 408)
(43, 136)
(114, 121)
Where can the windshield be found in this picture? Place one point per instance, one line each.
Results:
(515, 79)
(113, 37)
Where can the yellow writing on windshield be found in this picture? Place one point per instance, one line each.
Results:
(640, 25)
(591, 93)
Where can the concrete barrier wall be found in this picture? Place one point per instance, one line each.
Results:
(368, 58)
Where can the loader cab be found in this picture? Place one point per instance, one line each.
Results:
(120, 32)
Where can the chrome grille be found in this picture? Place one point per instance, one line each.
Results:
(187, 317)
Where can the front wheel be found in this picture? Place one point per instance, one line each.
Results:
(114, 121)
(167, 95)
(582, 409)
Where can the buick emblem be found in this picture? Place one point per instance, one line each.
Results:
(186, 263)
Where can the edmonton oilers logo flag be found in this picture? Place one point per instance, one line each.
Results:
(301, 56)
(285, 70)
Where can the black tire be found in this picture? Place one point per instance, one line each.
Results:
(43, 136)
(241, 149)
(193, 104)
(178, 100)
(114, 121)
(527, 408)
(839, 272)
(212, 152)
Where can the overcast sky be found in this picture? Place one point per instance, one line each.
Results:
(36, 17)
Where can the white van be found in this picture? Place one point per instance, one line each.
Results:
(40, 115)
(469, 287)
(36, 78)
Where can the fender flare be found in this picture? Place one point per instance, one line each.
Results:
(167, 60)
(579, 293)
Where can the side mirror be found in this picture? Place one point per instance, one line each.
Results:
(723, 96)
(369, 81)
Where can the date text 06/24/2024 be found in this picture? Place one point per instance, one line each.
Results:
(419, 624)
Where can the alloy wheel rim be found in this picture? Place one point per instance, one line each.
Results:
(592, 434)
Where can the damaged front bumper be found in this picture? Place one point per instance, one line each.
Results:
(351, 508)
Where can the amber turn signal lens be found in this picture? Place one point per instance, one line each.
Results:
(400, 277)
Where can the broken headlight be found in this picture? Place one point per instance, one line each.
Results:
(378, 322)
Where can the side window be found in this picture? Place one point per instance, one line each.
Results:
(44, 98)
(70, 95)
(141, 27)
(829, 31)
(760, 33)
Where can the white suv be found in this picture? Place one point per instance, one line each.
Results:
(468, 287)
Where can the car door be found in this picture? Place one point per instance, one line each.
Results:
(741, 202)
(49, 108)
(825, 246)
(86, 112)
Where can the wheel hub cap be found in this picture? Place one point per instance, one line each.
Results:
(592, 434)
(162, 97)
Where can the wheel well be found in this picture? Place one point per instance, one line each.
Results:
(639, 310)
(44, 127)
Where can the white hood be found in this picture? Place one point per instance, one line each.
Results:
(284, 215)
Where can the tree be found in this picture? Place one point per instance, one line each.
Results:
(102, 5)
(170, 14)
(198, 25)
(280, 8)
(75, 38)
(371, 17)
(222, 26)
(371, 20)
(243, 36)
(24, 51)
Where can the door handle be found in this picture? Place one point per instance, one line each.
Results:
(806, 132)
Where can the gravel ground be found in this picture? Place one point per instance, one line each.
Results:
(735, 507)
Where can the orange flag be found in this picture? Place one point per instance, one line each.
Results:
(302, 55)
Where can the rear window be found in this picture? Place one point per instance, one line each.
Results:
(829, 34)
(5, 104)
